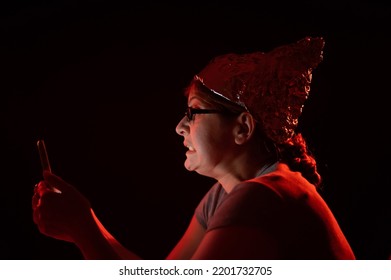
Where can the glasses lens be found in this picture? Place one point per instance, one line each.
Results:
(189, 114)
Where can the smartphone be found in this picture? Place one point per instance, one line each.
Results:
(43, 156)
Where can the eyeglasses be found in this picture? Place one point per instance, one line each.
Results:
(190, 112)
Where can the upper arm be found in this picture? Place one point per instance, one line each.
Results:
(246, 225)
(189, 242)
(237, 242)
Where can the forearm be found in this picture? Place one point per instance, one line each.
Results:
(95, 242)
(92, 242)
(120, 250)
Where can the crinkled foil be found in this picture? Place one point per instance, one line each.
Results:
(272, 86)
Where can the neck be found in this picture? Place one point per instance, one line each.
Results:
(249, 161)
(242, 172)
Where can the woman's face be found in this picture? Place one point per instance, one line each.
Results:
(208, 138)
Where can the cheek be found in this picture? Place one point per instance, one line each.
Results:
(213, 139)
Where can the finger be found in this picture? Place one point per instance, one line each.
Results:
(41, 188)
(43, 206)
(35, 201)
(44, 212)
(56, 182)
(36, 215)
(43, 226)
(49, 201)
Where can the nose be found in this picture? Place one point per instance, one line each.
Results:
(181, 126)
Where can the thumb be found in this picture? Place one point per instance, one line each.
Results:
(57, 183)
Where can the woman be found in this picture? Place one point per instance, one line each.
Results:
(239, 129)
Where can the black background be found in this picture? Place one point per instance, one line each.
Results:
(101, 82)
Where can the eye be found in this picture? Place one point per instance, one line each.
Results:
(189, 113)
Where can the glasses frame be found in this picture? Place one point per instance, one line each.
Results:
(190, 112)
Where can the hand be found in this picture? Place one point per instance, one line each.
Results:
(59, 209)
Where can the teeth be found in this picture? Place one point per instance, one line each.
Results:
(190, 148)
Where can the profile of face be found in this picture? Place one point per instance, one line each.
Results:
(209, 139)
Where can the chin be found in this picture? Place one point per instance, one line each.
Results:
(189, 166)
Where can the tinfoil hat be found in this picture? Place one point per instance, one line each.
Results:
(272, 86)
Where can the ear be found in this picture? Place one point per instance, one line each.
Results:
(244, 128)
